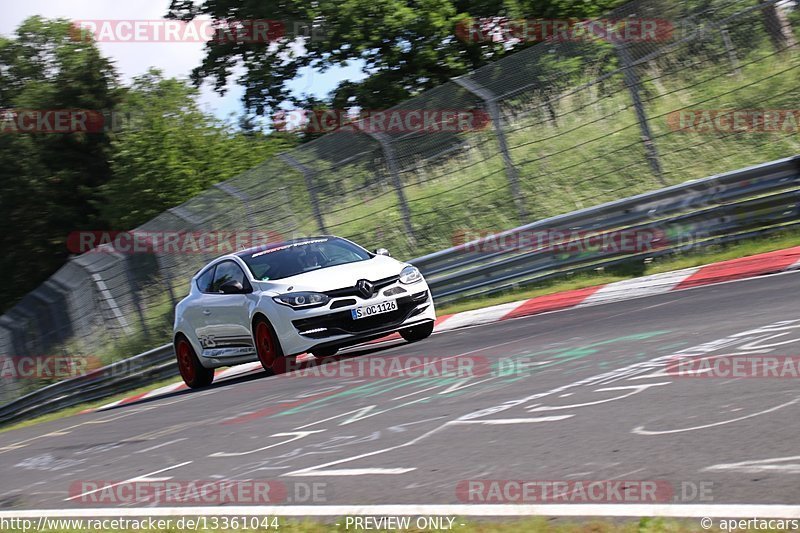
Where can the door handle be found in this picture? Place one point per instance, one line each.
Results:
(206, 312)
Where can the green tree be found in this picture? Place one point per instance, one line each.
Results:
(49, 181)
(170, 150)
(407, 46)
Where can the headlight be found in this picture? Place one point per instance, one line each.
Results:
(302, 299)
(410, 274)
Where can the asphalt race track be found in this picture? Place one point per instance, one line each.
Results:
(573, 395)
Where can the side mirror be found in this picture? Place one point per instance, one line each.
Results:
(231, 287)
(383, 251)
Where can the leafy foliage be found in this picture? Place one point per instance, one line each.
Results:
(407, 46)
(51, 184)
(172, 151)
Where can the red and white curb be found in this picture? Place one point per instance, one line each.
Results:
(745, 267)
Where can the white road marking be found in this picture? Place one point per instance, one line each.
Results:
(558, 509)
(610, 376)
(777, 464)
(145, 477)
(361, 471)
(160, 445)
(635, 389)
(416, 392)
(639, 430)
(296, 434)
(504, 421)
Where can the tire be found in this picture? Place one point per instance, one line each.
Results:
(268, 348)
(417, 333)
(322, 353)
(194, 374)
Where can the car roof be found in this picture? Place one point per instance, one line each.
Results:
(273, 245)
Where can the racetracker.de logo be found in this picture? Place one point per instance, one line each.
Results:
(564, 491)
(399, 367)
(715, 121)
(507, 30)
(556, 240)
(735, 366)
(66, 121)
(196, 492)
(46, 366)
(249, 31)
(169, 242)
(381, 121)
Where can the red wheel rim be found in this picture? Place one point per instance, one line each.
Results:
(264, 345)
(185, 363)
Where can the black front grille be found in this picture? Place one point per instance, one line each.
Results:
(353, 291)
(343, 303)
(342, 323)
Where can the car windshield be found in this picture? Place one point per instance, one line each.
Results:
(302, 256)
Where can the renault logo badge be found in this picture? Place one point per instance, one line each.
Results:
(365, 288)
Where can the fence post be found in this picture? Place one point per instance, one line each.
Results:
(135, 288)
(778, 26)
(394, 173)
(105, 295)
(633, 83)
(230, 190)
(494, 112)
(732, 57)
(308, 176)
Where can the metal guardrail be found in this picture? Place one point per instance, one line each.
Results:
(721, 208)
(122, 376)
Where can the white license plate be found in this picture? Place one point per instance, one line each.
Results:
(364, 311)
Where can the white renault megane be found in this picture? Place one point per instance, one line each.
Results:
(306, 295)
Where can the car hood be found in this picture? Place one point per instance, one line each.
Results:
(336, 277)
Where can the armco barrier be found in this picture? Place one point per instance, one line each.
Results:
(716, 209)
(721, 208)
(148, 367)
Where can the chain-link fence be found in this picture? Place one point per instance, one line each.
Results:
(574, 122)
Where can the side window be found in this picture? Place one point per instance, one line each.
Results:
(204, 281)
(227, 271)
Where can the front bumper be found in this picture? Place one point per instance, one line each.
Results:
(333, 326)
